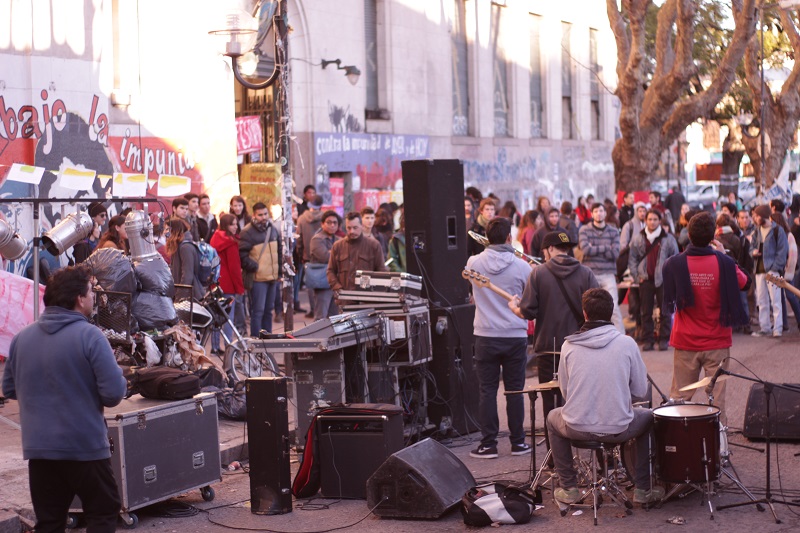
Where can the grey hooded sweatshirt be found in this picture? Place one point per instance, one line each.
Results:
(493, 318)
(600, 370)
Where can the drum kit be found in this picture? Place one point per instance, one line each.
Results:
(691, 446)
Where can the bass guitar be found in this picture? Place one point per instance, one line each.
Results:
(782, 283)
(478, 279)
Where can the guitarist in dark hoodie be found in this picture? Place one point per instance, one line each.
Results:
(552, 297)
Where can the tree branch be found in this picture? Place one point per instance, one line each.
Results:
(665, 53)
(620, 35)
(700, 104)
(792, 84)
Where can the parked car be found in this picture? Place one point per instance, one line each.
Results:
(703, 195)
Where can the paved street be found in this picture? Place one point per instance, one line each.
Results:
(771, 359)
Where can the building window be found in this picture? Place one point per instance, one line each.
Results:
(594, 85)
(537, 105)
(567, 131)
(461, 124)
(500, 75)
(371, 40)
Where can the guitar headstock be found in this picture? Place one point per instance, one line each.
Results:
(777, 280)
(475, 277)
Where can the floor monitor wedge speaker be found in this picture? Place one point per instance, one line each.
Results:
(436, 232)
(424, 480)
(268, 445)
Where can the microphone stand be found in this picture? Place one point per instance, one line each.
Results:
(767, 499)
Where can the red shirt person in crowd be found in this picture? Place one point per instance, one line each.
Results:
(226, 244)
(702, 285)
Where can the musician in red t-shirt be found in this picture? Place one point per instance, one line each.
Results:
(702, 285)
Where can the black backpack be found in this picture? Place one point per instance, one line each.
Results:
(165, 383)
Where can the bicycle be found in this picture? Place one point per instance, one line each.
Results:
(239, 360)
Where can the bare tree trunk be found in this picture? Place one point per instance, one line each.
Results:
(654, 112)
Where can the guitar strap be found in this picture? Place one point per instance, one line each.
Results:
(578, 315)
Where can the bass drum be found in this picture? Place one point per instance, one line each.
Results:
(687, 442)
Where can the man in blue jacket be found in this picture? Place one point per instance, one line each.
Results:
(62, 371)
(770, 251)
(501, 339)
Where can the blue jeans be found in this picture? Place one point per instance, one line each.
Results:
(263, 294)
(237, 300)
(493, 358)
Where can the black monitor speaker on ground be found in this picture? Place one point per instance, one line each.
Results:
(783, 421)
(436, 232)
(422, 481)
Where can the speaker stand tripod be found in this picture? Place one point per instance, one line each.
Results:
(767, 499)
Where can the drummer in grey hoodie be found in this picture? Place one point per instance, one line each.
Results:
(599, 362)
(500, 340)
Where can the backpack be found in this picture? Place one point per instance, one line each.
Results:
(165, 383)
(209, 268)
(497, 503)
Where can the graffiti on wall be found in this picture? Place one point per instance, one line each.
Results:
(561, 173)
(342, 120)
(54, 136)
(374, 158)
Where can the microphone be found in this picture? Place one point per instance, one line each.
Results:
(716, 376)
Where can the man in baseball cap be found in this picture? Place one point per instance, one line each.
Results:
(552, 297)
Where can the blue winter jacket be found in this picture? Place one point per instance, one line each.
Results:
(62, 371)
(776, 249)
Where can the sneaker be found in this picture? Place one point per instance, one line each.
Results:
(648, 496)
(663, 346)
(310, 314)
(760, 334)
(748, 331)
(484, 452)
(647, 347)
(520, 449)
(777, 334)
(298, 309)
(567, 496)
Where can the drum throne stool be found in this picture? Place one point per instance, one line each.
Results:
(604, 485)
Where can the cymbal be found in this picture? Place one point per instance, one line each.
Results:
(541, 387)
(702, 383)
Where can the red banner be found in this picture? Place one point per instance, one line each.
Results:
(248, 135)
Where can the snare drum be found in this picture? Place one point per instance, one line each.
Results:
(685, 435)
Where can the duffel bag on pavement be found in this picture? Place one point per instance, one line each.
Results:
(165, 383)
(496, 503)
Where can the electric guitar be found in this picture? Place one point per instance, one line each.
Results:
(478, 279)
(782, 283)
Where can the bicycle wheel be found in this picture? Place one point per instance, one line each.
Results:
(239, 364)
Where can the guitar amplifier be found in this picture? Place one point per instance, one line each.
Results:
(352, 448)
(391, 282)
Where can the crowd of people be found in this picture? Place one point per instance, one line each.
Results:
(690, 278)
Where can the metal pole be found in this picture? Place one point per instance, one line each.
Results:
(762, 113)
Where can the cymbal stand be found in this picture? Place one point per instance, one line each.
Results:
(767, 499)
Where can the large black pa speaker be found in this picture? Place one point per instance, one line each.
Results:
(421, 481)
(268, 445)
(453, 399)
(436, 232)
(783, 408)
(352, 448)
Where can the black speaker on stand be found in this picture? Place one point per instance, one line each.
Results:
(268, 445)
(454, 400)
(436, 232)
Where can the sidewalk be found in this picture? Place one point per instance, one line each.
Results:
(774, 360)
